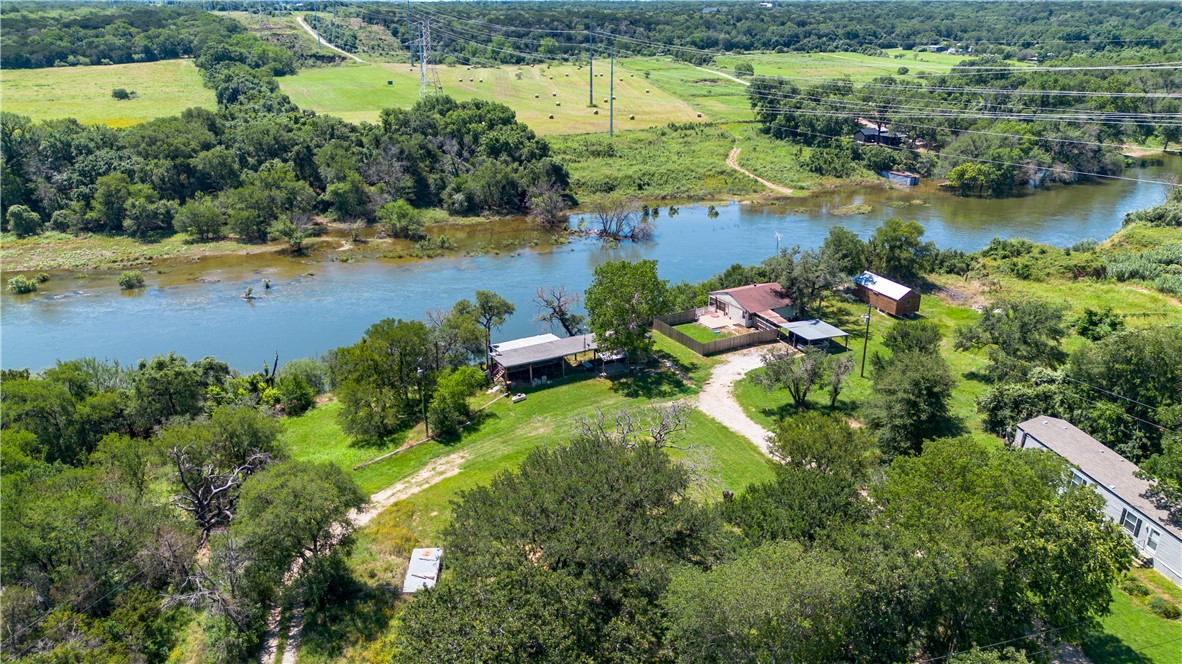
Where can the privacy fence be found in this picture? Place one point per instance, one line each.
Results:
(664, 325)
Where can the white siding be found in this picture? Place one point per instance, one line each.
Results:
(731, 308)
(1167, 557)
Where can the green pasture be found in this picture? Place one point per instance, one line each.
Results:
(358, 93)
(162, 88)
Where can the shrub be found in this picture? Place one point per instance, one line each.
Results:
(131, 279)
(314, 373)
(42, 277)
(1134, 587)
(21, 284)
(1096, 324)
(23, 222)
(1164, 608)
(295, 394)
(400, 219)
(122, 94)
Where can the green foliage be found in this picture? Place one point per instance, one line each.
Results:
(598, 552)
(449, 406)
(1019, 335)
(1134, 587)
(200, 218)
(778, 602)
(131, 279)
(377, 378)
(1094, 324)
(399, 219)
(910, 402)
(744, 69)
(122, 94)
(1005, 405)
(22, 221)
(296, 395)
(622, 301)
(1164, 608)
(314, 372)
(20, 284)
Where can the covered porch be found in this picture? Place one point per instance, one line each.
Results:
(815, 332)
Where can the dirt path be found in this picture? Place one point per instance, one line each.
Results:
(728, 76)
(717, 398)
(732, 160)
(433, 473)
(307, 28)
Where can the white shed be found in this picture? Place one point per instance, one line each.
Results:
(1156, 535)
(423, 570)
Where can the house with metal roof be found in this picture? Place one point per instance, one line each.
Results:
(813, 332)
(764, 306)
(1156, 534)
(885, 295)
(542, 356)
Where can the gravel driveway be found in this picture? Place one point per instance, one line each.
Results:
(718, 400)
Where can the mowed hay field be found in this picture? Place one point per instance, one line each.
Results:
(359, 92)
(162, 88)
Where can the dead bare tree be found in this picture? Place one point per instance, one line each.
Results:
(618, 217)
(661, 424)
(548, 205)
(555, 304)
(218, 584)
(839, 372)
(209, 493)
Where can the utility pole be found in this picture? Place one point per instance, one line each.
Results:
(866, 337)
(409, 34)
(591, 78)
(611, 96)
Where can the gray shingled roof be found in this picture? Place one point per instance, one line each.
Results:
(545, 351)
(1100, 464)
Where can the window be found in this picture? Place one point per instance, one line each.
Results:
(1077, 479)
(1130, 522)
(1154, 537)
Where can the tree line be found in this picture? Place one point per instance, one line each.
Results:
(259, 168)
(538, 31)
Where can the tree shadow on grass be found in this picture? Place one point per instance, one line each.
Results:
(359, 614)
(651, 384)
(1102, 647)
(391, 441)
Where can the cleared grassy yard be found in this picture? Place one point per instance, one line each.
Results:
(162, 88)
(358, 93)
(1134, 634)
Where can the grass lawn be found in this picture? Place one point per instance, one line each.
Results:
(62, 251)
(810, 68)
(766, 407)
(162, 88)
(700, 332)
(358, 92)
(1134, 634)
(721, 459)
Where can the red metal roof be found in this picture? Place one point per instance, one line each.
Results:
(758, 297)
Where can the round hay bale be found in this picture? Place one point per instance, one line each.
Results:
(631, 117)
(536, 96)
(551, 116)
(699, 115)
(482, 80)
(595, 112)
(558, 103)
(472, 79)
(646, 92)
(551, 78)
(553, 94)
(605, 101)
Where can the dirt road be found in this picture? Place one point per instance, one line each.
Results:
(732, 160)
(307, 28)
(717, 398)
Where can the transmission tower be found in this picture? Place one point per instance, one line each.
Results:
(428, 76)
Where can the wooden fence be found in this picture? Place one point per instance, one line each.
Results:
(665, 324)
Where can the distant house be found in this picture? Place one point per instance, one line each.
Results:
(1154, 532)
(901, 177)
(885, 295)
(876, 136)
(765, 306)
(423, 569)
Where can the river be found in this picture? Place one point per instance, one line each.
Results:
(76, 315)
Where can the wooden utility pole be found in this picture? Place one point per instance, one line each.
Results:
(611, 97)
